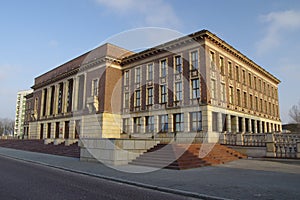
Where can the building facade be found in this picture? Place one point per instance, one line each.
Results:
(20, 112)
(189, 88)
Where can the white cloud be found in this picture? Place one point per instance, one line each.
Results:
(153, 13)
(277, 23)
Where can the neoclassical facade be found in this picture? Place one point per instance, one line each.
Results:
(190, 87)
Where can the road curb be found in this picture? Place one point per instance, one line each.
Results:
(124, 181)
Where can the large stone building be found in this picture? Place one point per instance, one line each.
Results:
(190, 87)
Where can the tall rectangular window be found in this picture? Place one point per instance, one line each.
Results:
(45, 102)
(256, 104)
(259, 85)
(95, 85)
(137, 98)
(178, 90)
(230, 94)
(254, 82)
(163, 94)
(150, 96)
(194, 60)
(60, 97)
(251, 102)
(70, 95)
(237, 73)
(195, 88)
(163, 68)
(178, 64)
(261, 105)
(138, 75)
(196, 121)
(221, 62)
(137, 124)
(163, 123)
(213, 89)
(150, 72)
(214, 121)
(52, 99)
(244, 77)
(126, 78)
(230, 70)
(126, 125)
(223, 92)
(250, 80)
(212, 61)
(150, 124)
(238, 93)
(245, 99)
(126, 100)
(178, 122)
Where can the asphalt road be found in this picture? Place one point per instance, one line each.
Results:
(22, 180)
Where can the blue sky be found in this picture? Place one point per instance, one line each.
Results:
(37, 36)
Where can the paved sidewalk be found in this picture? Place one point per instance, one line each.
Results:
(242, 179)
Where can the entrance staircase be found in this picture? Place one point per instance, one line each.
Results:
(39, 146)
(186, 156)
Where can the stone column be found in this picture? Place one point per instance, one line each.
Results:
(255, 126)
(271, 150)
(260, 127)
(243, 125)
(298, 150)
(75, 93)
(42, 103)
(49, 93)
(170, 123)
(219, 122)
(65, 96)
(250, 126)
(228, 123)
(186, 123)
(156, 124)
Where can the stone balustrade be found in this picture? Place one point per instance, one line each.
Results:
(279, 145)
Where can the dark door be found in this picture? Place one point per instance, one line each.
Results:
(67, 129)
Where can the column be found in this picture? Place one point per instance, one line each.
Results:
(74, 94)
(156, 124)
(42, 103)
(228, 122)
(55, 107)
(186, 122)
(170, 123)
(131, 126)
(219, 122)
(255, 126)
(260, 127)
(243, 125)
(250, 126)
(65, 96)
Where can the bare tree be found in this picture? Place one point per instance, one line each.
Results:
(294, 113)
(6, 126)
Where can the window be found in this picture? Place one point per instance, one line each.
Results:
(178, 90)
(230, 94)
(214, 121)
(237, 73)
(45, 102)
(126, 78)
(221, 62)
(163, 123)
(196, 121)
(163, 68)
(70, 95)
(223, 92)
(150, 124)
(251, 101)
(230, 72)
(60, 97)
(137, 75)
(259, 85)
(150, 72)
(95, 84)
(213, 89)
(256, 103)
(250, 80)
(238, 97)
(137, 124)
(245, 99)
(126, 125)
(163, 94)
(195, 89)
(178, 122)
(126, 100)
(254, 82)
(178, 64)
(244, 77)
(261, 105)
(137, 98)
(194, 60)
(212, 61)
(150, 96)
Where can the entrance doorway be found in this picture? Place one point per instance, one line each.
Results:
(67, 129)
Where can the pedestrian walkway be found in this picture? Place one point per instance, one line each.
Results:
(241, 179)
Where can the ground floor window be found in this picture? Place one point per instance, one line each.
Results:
(163, 123)
(137, 124)
(126, 125)
(150, 124)
(196, 121)
(178, 122)
(214, 121)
